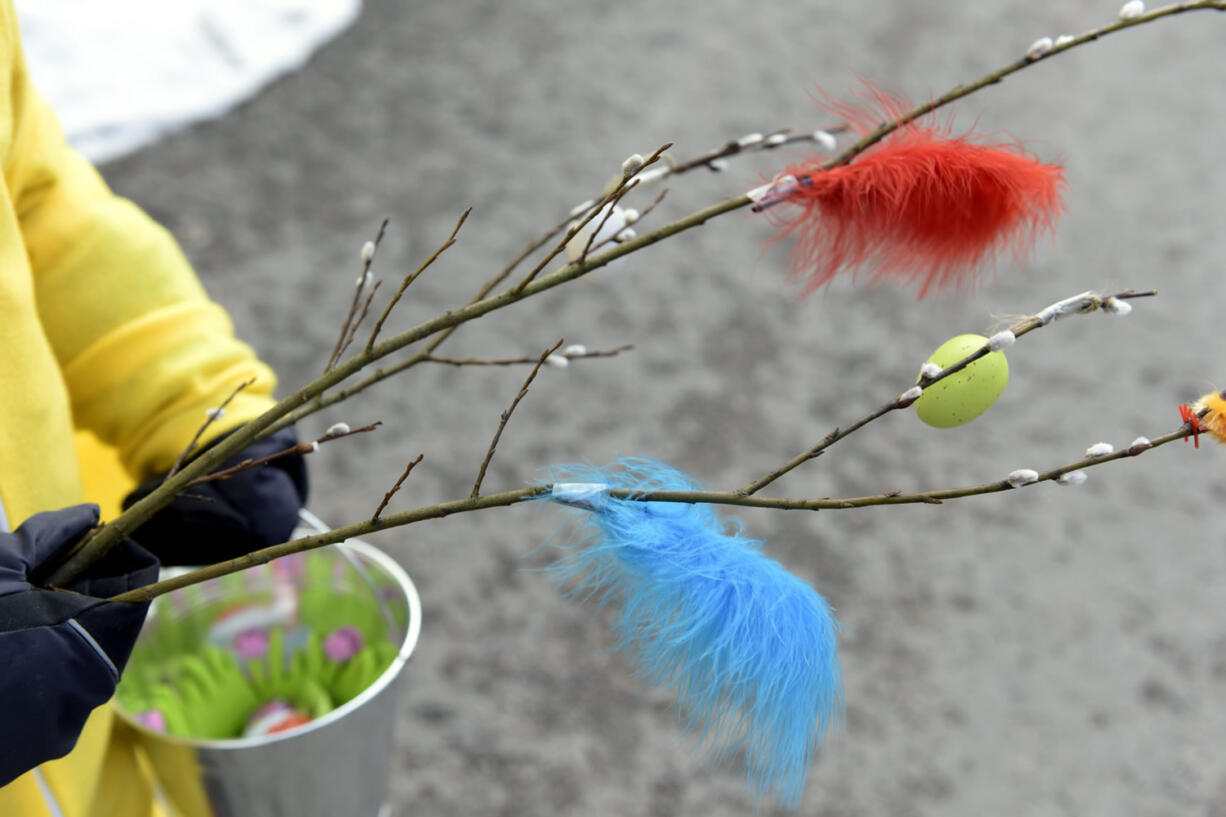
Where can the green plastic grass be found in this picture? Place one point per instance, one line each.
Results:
(205, 691)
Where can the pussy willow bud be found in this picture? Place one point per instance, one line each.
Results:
(825, 139)
(1022, 476)
(1001, 340)
(1038, 48)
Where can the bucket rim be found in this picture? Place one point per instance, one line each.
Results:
(403, 653)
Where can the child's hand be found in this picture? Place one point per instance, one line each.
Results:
(63, 649)
(219, 520)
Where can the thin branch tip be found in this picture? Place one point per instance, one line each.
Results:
(506, 416)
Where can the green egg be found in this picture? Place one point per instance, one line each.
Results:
(963, 396)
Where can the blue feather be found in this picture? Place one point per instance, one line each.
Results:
(748, 648)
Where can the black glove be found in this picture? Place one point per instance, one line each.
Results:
(220, 520)
(62, 651)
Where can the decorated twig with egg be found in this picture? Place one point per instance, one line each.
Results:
(963, 378)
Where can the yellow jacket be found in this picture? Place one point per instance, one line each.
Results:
(104, 328)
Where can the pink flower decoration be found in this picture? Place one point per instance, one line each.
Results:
(252, 643)
(343, 643)
(153, 719)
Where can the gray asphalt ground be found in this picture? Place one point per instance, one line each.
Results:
(1047, 651)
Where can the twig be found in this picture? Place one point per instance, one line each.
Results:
(506, 271)
(1024, 62)
(935, 497)
(753, 142)
(706, 160)
(1078, 304)
(654, 203)
(515, 361)
(588, 206)
(265, 555)
(606, 200)
(667, 170)
(305, 447)
(211, 416)
(347, 327)
(506, 415)
(571, 232)
(513, 497)
(408, 469)
(409, 279)
(353, 330)
(487, 288)
(608, 209)
(617, 237)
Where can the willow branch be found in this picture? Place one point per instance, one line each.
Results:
(608, 210)
(709, 160)
(506, 415)
(408, 469)
(353, 330)
(516, 361)
(304, 447)
(368, 258)
(1025, 61)
(627, 180)
(751, 143)
(664, 171)
(621, 235)
(410, 278)
(1081, 304)
(211, 416)
(332, 537)
(735, 499)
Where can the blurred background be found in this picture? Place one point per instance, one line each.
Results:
(1046, 651)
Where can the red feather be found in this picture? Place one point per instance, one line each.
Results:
(920, 206)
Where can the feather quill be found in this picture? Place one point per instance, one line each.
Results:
(748, 648)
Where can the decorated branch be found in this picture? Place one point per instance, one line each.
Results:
(748, 648)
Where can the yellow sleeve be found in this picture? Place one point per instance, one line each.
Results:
(143, 350)
(104, 480)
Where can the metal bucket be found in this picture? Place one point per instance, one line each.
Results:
(336, 764)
